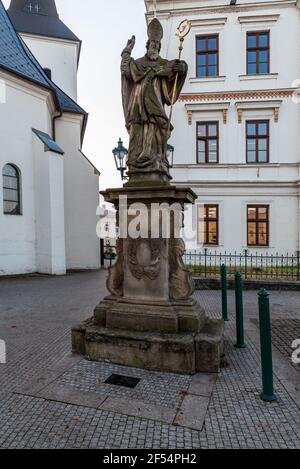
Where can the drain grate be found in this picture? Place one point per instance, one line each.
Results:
(125, 381)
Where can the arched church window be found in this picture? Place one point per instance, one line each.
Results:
(48, 72)
(11, 190)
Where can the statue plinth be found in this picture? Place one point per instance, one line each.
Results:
(150, 319)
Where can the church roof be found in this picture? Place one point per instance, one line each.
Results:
(16, 57)
(49, 143)
(39, 17)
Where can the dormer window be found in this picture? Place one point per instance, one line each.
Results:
(32, 6)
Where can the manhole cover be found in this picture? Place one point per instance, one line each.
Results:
(120, 380)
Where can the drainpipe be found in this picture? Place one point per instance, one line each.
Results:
(57, 116)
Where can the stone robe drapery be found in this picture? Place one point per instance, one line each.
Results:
(147, 86)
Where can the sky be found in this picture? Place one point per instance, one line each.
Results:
(104, 28)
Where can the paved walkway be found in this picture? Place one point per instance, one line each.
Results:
(51, 399)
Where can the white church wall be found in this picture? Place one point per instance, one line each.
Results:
(58, 55)
(49, 210)
(60, 194)
(24, 107)
(81, 198)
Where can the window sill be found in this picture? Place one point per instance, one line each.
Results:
(209, 246)
(258, 247)
(229, 165)
(207, 79)
(257, 163)
(13, 214)
(263, 76)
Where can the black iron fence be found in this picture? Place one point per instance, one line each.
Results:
(256, 266)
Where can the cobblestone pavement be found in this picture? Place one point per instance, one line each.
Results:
(284, 333)
(36, 316)
(163, 389)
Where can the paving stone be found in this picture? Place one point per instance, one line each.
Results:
(192, 412)
(60, 393)
(203, 384)
(140, 409)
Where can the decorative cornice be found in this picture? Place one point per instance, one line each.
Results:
(233, 183)
(236, 95)
(207, 107)
(258, 19)
(226, 9)
(245, 166)
(260, 105)
(208, 22)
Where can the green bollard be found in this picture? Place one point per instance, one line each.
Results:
(224, 293)
(266, 347)
(240, 343)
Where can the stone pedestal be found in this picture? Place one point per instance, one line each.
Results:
(150, 320)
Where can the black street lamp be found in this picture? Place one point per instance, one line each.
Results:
(170, 155)
(120, 153)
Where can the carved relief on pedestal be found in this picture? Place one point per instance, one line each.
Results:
(181, 280)
(144, 258)
(116, 273)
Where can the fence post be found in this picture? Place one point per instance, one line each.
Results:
(298, 265)
(205, 262)
(240, 343)
(266, 347)
(224, 293)
(246, 263)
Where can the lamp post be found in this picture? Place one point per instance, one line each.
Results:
(170, 155)
(120, 153)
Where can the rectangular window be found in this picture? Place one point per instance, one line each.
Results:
(207, 56)
(258, 225)
(208, 224)
(258, 53)
(258, 141)
(207, 142)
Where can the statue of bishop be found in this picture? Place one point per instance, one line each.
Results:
(148, 85)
